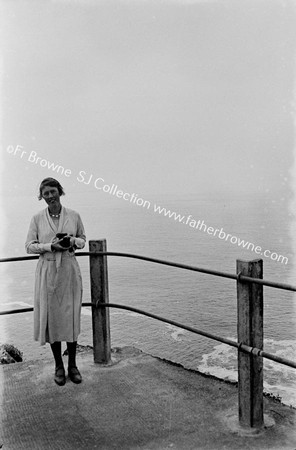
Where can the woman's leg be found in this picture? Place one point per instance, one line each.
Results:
(56, 348)
(71, 346)
(73, 372)
(60, 377)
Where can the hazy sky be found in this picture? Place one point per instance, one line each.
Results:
(154, 96)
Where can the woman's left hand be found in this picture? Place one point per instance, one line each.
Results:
(72, 241)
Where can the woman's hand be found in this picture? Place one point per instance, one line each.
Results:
(72, 241)
(57, 247)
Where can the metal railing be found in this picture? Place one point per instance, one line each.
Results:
(249, 321)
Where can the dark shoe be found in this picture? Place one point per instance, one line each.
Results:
(60, 376)
(74, 375)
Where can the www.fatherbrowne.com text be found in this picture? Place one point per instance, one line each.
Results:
(219, 233)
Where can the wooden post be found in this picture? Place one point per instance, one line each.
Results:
(100, 294)
(250, 332)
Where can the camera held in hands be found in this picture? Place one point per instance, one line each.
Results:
(65, 242)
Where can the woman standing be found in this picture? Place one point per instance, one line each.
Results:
(58, 283)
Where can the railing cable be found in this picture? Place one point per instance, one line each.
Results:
(217, 273)
(245, 348)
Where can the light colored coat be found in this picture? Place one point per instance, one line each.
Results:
(58, 283)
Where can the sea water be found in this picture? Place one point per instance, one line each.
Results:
(199, 300)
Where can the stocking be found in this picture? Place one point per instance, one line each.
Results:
(56, 348)
(71, 346)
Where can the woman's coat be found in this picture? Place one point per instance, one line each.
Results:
(58, 283)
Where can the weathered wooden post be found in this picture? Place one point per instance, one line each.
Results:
(250, 332)
(100, 294)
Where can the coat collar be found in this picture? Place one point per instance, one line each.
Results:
(61, 223)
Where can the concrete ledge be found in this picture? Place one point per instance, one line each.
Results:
(137, 402)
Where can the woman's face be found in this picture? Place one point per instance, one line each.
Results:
(51, 195)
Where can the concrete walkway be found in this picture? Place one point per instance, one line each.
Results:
(138, 402)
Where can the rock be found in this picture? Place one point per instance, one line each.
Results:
(10, 354)
(5, 358)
